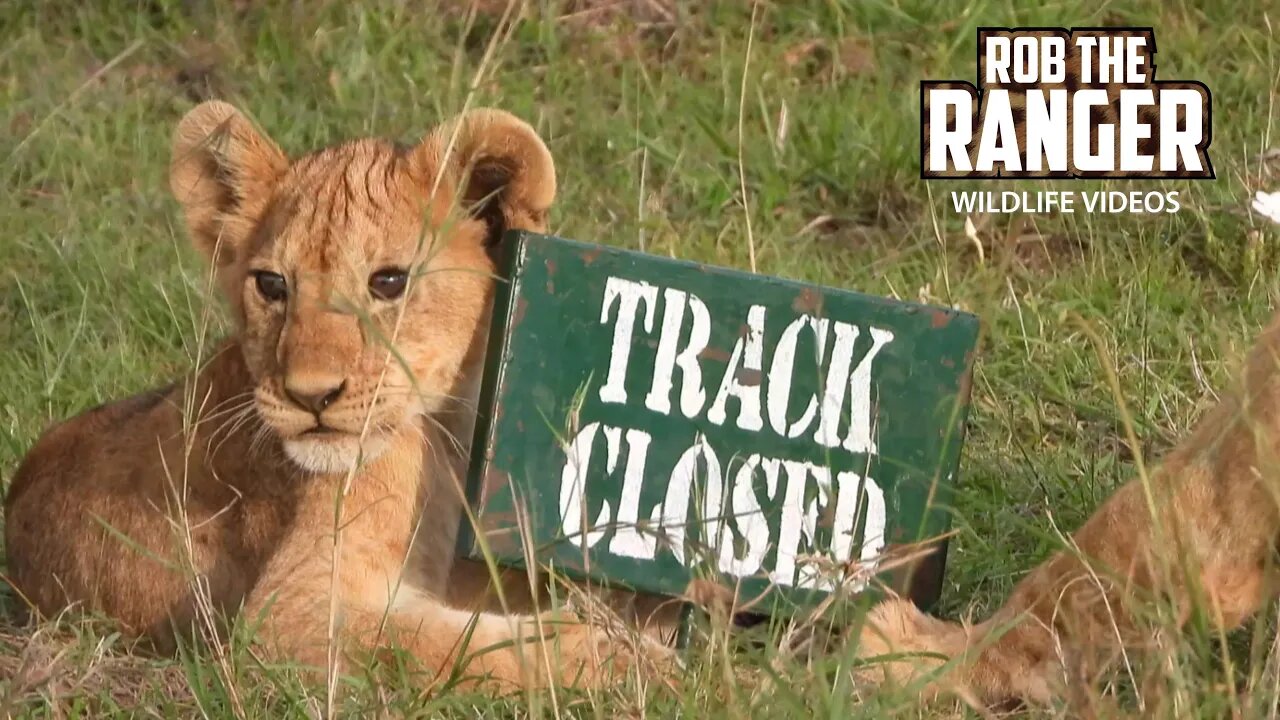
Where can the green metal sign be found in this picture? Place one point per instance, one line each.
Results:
(644, 421)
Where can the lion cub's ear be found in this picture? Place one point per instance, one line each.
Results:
(222, 172)
(502, 171)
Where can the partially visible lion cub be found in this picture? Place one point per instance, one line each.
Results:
(360, 277)
(1202, 532)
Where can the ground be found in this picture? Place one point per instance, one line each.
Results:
(810, 166)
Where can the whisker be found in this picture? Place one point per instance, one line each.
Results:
(232, 398)
(229, 404)
(402, 392)
(260, 437)
(222, 430)
(231, 426)
(457, 444)
(212, 416)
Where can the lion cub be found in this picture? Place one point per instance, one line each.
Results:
(320, 448)
(1201, 533)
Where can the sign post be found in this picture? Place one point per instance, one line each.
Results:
(645, 421)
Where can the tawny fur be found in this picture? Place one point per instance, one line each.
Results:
(217, 483)
(1205, 539)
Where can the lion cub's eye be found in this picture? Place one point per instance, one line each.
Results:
(271, 285)
(388, 283)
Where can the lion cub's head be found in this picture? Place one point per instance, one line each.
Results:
(361, 275)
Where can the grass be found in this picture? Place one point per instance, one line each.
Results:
(644, 108)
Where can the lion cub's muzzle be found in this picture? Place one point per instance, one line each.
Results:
(328, 424)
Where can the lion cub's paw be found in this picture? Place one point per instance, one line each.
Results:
(900, 644)
(596, 655)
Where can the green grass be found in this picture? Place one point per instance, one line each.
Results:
(99, 294)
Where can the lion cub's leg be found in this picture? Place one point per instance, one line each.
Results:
(1070, 617)
(1040, 642)
(473, 587)
(378, 602)
(296, 609)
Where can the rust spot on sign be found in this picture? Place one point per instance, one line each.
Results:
(501, 533)
(711, 353)
(966, 382)
(494, 480)
(522, 305)
(940, 319)
(808, 301)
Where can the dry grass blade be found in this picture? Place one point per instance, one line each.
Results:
(59, 666)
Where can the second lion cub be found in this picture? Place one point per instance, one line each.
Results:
(1200, 532)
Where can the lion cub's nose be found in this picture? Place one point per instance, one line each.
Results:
(314, 394)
